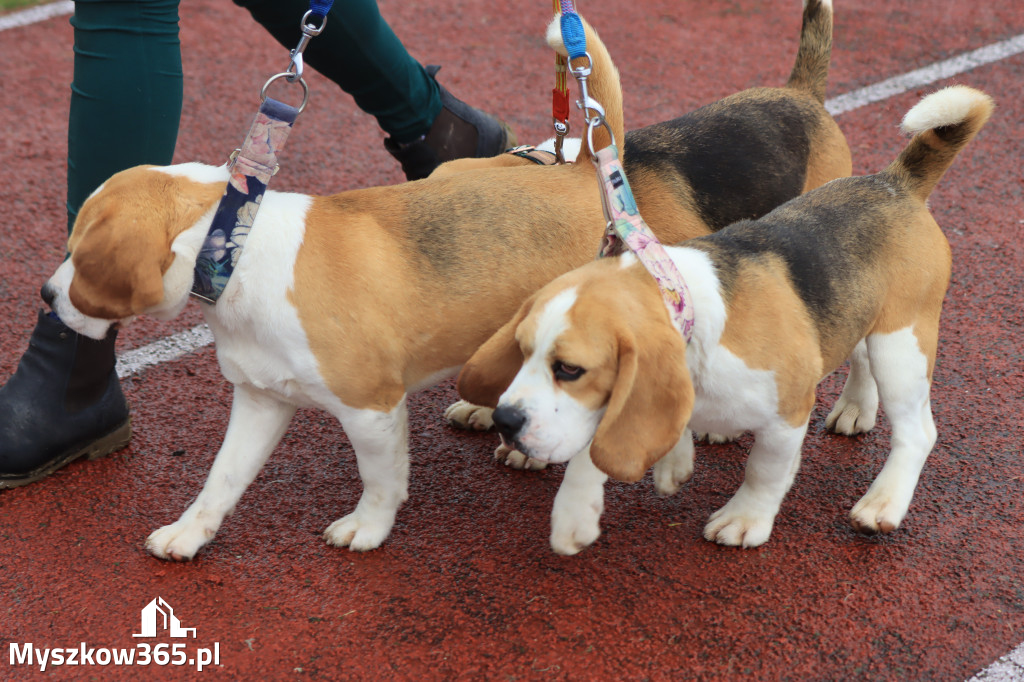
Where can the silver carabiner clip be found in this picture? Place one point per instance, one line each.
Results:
(580, 73)
(295, 68)
(593, 112)
(309, 31)
(589, 104)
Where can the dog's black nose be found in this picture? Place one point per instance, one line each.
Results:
(508, 421)
(48, 294)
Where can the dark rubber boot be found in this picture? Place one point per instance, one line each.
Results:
(63, 402)
(459, 131)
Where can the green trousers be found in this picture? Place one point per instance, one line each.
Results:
(360, 52)
(127, 90)
(126, 93)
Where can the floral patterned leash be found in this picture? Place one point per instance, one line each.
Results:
(624, 229)
(250, 169)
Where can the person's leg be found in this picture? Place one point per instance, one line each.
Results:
(126, 94)
(64, 401)
(360, 52)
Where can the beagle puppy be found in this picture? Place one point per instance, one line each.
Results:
(350, 302)
(592, 371)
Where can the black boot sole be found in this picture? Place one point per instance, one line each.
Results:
(101, 447)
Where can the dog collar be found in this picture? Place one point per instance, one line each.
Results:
(626, 229)
(538, 156)
(250, 168)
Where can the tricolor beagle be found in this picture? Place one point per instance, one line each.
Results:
(350, 302)
(596, 374)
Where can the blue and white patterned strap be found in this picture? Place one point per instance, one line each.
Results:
(251, 170)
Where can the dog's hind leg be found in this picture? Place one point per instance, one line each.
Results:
(257, 423)
(857, 408)
(901, 370)
(381, 443)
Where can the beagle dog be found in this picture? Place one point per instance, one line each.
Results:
(592, 370)
(350, 302)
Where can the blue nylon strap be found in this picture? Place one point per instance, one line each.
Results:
(320, 8)
(279, 111)
(250, 171)
(573, 36)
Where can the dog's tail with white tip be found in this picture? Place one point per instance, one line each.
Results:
(602, 84)
(810, 72)
(942, 124)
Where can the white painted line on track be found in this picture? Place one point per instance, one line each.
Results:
(36, 14)
(1009, 668)
(167, 349)
(897, 85)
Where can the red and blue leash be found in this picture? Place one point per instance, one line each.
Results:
(625, 229)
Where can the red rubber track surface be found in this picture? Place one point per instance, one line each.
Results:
(466, 587)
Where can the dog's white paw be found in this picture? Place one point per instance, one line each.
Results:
(850, 418)
(878, 512)
(179, 541)
(359, 531)
(670, 473)
(716, 438)
(573, 530)
(739, 525)
(465, 415)
(511, 457)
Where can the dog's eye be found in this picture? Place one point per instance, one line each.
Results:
(566, 372)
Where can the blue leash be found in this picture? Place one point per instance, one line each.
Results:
(572, 31)
(319, 8)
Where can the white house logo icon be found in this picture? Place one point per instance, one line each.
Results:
(170, 621)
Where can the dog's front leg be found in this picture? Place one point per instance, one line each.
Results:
(576, 513)
(257, 423)
(381, 442)
(463, 414)
(746, 520)
(510, 457)
(675, 468)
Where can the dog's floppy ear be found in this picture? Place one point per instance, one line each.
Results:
(491, 369)
(650, 403)
(121, 241)
(116, 276)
